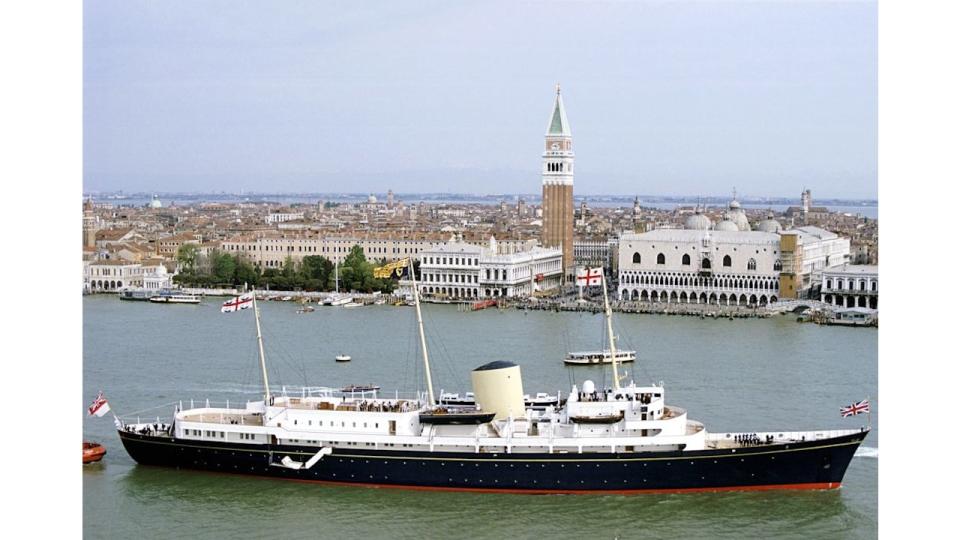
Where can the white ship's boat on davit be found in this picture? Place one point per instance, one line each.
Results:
(621, 439)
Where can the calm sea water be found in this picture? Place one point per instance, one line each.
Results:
(772, 374)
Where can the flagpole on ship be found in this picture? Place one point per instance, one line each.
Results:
(423, 338)
(263, 360)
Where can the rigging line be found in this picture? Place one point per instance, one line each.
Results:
(134, 413)
(444, 355)
(286, 357)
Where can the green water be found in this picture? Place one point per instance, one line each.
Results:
(737, 375)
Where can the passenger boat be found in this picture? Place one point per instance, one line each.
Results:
(342, 358)
(641, 445)
(137, 295)
(92, 452)
(352, 305)
(167, 297)
(586, 358)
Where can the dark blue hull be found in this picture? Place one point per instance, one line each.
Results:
(807, 465)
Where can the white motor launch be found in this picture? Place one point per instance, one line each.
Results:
(498, 388)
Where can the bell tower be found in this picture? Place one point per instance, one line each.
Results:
(557, 175)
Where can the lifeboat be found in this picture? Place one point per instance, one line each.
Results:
(93, 452)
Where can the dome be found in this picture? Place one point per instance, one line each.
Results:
(372, 199)
(697, 222)
(734, 204)
(740, 219)
(726, 225)
(155, 203)
(769, 224)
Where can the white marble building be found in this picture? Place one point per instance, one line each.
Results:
(457, 270)
(851, 285)
(700, 266)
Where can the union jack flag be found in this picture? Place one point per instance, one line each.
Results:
(855, 409)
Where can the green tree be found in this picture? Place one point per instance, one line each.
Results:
(187, 256)
(222, 268)
(245, 273)
(317, 272)
(356, 273)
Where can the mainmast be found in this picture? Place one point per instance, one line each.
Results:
(613, 348)
(263, 360)
(423, 338)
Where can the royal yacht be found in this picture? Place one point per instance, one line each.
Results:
(621, 439)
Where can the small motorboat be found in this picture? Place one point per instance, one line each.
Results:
(342, 358)
(92, 452)
(306, 309)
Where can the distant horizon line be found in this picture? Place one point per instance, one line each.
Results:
(120, 194)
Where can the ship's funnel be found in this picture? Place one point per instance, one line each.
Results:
(497, 388)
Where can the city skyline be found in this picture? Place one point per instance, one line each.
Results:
(678, 99)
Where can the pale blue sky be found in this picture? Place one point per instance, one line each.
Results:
(664, 98)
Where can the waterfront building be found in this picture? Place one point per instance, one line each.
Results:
(735, 268)
(155, 275)
(806, 252)
(112, 275)
(557, 180)
(727, 267)
(270, 249)
(851, 285)
(458, 270)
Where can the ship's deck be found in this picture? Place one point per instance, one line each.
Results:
(225, 418)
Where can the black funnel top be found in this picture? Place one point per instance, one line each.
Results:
(496, 364)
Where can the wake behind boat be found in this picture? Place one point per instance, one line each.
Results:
(620, 439)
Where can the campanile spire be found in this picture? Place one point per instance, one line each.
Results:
(557, 176)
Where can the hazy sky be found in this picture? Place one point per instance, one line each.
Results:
(680, 98)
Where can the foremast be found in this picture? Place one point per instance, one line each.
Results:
(263, 360)
(613, 347)
(423, 338)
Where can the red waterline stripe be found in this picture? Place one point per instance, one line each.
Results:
(767, 487)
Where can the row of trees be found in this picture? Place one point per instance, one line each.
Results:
(313, 273)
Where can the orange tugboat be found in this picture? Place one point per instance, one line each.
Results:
(92, 452)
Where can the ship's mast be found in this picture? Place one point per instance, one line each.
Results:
(336, 277)
(613, 348)
(423, 338)
(263, 359)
